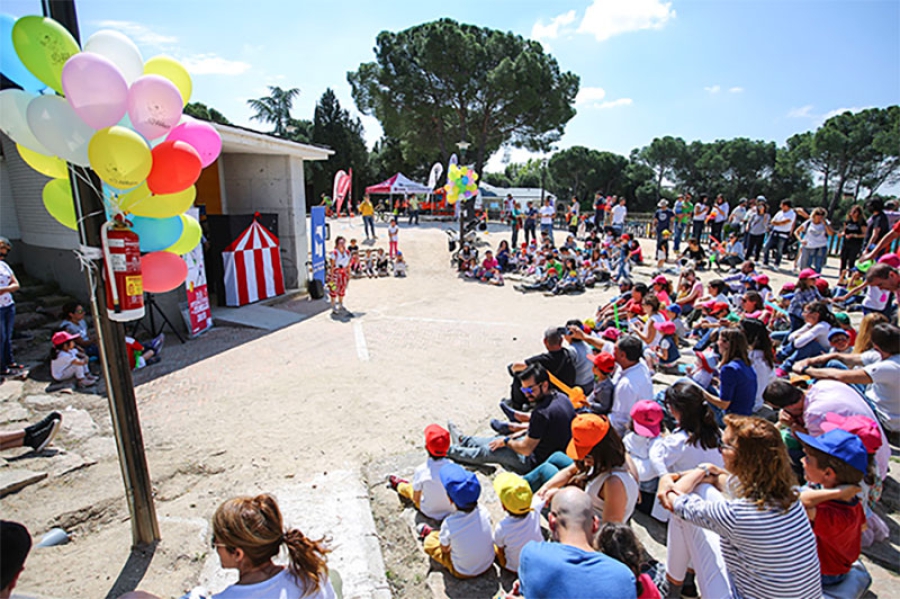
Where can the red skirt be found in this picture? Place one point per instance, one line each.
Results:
(337, 282)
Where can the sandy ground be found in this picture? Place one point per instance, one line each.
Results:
(266, 410)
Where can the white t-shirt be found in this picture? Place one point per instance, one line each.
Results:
(427, 478)
(674, 454)
(639, 448)
(657, 336)
(512, 533)
(632, 385)
(6, 279)
(885, 391)
(700, 211)
(281, 586)
(471, 541)
(619, 212)
(547, 213)
(785, 227)
(876, 298)
(816, 235)
(393, 230)
(764, 375)
(721, 212)
(341, 259)
(62, 361)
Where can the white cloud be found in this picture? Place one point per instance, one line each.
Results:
(615, 103)
(558, 24)
(735, 90)
(804, 112)
(589, 95)
(838, 111)
(712, 89)
(211, 64)
(138, 33)
(606, 18)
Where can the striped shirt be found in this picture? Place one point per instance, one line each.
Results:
(769, 554)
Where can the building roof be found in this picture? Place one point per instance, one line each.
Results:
(239, 140)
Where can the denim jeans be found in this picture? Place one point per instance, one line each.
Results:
(369, 223)
(791, 354)
(777, 241)
(697, 230)
(538, 477)
(475, 451)
(548, 229)
(860, 388)
(813, 258)
(7, 316)
(679, 231)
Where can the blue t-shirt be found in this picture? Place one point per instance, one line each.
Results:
(738, 386)
(554, 570)
(663, 220)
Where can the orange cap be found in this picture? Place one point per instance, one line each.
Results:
(587, 431)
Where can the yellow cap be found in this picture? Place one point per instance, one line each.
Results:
(514, 493)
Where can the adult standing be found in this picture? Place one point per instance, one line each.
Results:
(878, 223)
(413, 204)
(568, 566)
(663, 219)
(572, 216)
(853, 233)
(813, 237)
(766, 540)
(549, 430)
(632, 381)
(701, 212)
(782, 225)
(719, 216)
(737, 217)
(677, 227)
(618, 214)
(531, 215)
(368, 215)
(756, 229)
(515, 219)
(339, 275)
(599, 211)
(548, 213)
(8, 285)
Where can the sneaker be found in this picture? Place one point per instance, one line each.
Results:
(689, 588)
(454, 433)
(423, 530)
(38, 436)
(508, 411)
(502, 428)
(157, 342)
(393, 481)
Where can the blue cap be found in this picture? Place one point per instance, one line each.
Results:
(837, 331)
(674, 309)
(748, 279)
(462, 486)
(839, 444)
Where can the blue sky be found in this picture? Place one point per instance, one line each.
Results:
(763, 69)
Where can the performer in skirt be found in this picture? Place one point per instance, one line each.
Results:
(339, 275)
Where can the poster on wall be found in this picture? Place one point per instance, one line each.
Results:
(199, 313)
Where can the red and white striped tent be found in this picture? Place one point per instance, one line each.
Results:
(252, 267)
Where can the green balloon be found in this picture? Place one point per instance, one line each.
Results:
(44, 46)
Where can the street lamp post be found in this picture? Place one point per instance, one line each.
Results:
(463, 146)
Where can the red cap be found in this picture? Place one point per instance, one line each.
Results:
(789, 287)
(762, 279)
(719, 306)
(437, 440)
(636, 309)
(821, 284)
(604, 361)
(626, 237)
(866, 429)
(808, 273)
(647, 417)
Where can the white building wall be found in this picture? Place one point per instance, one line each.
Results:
(273, 184)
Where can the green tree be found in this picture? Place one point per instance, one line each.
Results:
(663, 156)
(579, 171)
(441, 82)
(333, 127)
(202, 111)
(275, 108)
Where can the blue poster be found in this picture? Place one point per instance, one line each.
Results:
(317, 222)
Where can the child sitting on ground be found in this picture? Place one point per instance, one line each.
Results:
(646, 424)
(703, 370)
(837, 461)
(619, 542)
(65, 361)
(667, 351)
(400, 265)
(426, 490)
(356, 269)
(673, 313)
(600, 401)
(370, 265)
(382, 264)
(465, 543)
(522, 523)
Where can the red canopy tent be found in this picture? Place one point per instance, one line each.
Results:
(399, 184)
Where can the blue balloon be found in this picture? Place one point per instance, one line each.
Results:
(157, 234)
(10, 65)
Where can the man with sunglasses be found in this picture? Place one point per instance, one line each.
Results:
(549, 430)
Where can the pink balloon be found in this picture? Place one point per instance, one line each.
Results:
(95, 89)
(203, 137)
(154, 106)
(162, 271)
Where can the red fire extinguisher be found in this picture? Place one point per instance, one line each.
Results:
(124, 285)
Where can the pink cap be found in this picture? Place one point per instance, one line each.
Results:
(60, 337)
(660, 279)
(866, 429)
(762, 279)
(647, 417)
(808, 273)
(610, 333)
(890, 260)
(666, 328)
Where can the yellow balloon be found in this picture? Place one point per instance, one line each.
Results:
(53, 167)
(161, 206)
(172, 70)
(190, 236)
(59, 203)
(134, 197)
(120, 157)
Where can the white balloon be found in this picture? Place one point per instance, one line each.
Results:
(120, 50)
(59, 129)
(14, 119)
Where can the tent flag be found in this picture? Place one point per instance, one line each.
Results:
(399, 184)
(436, 171)
(341, 186)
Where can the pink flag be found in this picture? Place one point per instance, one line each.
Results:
(341, 187)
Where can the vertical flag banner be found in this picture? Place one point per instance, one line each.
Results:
(317, 224)
(436, 171)
(341, 187)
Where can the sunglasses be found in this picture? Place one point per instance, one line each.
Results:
(530, 390)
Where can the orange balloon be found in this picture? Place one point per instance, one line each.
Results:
(176, 166)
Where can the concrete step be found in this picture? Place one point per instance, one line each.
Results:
(255, 316)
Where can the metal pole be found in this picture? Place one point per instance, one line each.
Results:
(111, 338)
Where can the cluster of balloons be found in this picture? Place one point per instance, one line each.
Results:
(102, 106)
(461, 183)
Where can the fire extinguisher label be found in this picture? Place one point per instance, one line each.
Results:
(118, 262)
(134, 286)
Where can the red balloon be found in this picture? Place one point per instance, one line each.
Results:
(162, 271)
(176, 166)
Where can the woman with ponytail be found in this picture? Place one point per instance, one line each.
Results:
(247, 533)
